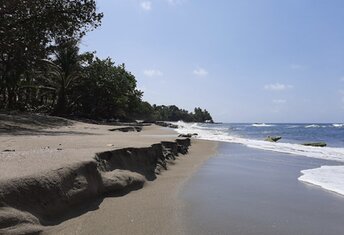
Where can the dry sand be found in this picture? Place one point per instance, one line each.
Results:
(46, 144)
(41, 146)
(155, 209)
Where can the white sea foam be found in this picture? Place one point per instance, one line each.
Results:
(293, 126)
(261, 125)
(312, 126)
(341, 125)
(222, 134)
(327, 177)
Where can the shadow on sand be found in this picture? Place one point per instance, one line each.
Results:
(35, 124)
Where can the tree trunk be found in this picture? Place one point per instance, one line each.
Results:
(61, 105)
(10, 98)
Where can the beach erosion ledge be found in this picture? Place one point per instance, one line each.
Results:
(27, 204)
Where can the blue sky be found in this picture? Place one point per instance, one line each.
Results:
(243, 60)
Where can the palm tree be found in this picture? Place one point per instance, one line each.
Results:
(63, 70)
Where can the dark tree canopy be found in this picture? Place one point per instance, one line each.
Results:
(106, 91)
(173, 113)
(42, 70)
(29, 27)
(63, 70)
(45, 20)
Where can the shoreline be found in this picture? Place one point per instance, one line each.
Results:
(252, 191)
(76, 164)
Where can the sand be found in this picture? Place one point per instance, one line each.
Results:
(46, 145)
(38, 154)
(155, 209)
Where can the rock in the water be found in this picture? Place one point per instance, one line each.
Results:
(166, 124)
(273, 138)
(316, 144)
(189, 135)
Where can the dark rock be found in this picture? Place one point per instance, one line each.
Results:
(189, 135)
(273, 138)
(316, 144)
(128, 129)
(166, 124)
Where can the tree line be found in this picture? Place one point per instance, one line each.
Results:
(42, 69)
(173, 113)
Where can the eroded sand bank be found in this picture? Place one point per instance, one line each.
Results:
(52, 175)
(155, 209)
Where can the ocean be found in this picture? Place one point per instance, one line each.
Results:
(293, 136)
(252, 186)
(331, 133)
(295, 133)
(247, 191)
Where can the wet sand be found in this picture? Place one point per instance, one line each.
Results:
(248, 191)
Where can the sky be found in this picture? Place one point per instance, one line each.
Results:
(242, 60)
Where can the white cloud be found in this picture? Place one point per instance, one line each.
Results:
(279, 101)
(174, 2)
(297, 67)
(277, 87)
(201, 72)
(152, 73)
(146, 5)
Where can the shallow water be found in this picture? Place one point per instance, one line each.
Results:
(249, 191)
(332, 134)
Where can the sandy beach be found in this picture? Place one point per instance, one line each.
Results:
(39, 152)
(155, 209)
(131, 117)
(60, 176)
(28, 140)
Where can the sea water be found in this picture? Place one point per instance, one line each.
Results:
(253, 135)
(247, 191)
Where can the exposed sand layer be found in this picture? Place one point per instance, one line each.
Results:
(155, 209)
(56, 172)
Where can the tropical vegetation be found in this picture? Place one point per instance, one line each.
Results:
(42, 69)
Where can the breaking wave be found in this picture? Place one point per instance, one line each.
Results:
(261, 125)
(326, 177)
(224, 135)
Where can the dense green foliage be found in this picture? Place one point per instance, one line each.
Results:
(29, 29)
(173, 113)
(106, 91)
(42, 70)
